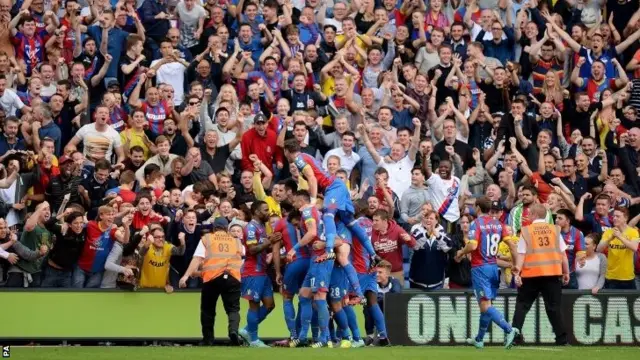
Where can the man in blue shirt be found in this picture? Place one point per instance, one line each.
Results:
(116, 40)
(252, 43)
(45, 128)
(155, 18)
(9, 140)
(497, 47)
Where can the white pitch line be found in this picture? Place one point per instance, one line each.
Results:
(539, 349)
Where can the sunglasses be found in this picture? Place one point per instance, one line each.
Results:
(194, 103)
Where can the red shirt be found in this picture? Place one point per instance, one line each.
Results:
(128, 196)
(45, 177)
(140, 221)
(544, 189)
(389, 245)
(265, 147)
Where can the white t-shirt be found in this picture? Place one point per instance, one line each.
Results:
(475, 31)
(10, 102)
(399, 174)
(186, 191)
(441, 190)
(98, 144)
(334, 22)
(8, 195)
(589, 274)
(200, 250)
(48, 91)
(347, 162)
(172, 74)
(188, 23)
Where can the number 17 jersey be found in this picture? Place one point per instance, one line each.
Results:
(487, 233)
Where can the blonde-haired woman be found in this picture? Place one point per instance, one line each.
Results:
(605, 119)
(552, 90)
(227, 94)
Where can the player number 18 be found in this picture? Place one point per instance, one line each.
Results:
(492, 244)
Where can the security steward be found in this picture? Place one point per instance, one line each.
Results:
(219, 259)
(541, 268)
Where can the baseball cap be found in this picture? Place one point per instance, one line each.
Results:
(63, 159)
(495, 205)
(113, 83)
(220, 223)
(260, 118)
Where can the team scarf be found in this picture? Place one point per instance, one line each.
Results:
(88, 73)
(605, 222)
(131, 84)
(452, 195)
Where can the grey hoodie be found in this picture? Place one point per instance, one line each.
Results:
(412, 200)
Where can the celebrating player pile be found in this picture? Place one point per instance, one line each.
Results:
(312, 268)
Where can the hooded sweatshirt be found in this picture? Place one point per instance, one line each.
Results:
(389, 244)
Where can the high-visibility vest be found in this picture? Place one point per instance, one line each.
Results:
(223, 253)
(543, 257)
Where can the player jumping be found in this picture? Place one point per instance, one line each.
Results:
(337, 201)
(484, 236)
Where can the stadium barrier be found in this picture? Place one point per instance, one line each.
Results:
(610, 318)
(93, 316)
(89, 317)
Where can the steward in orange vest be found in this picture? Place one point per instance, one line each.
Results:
(541, 267)
(543, 256)
(219, 258)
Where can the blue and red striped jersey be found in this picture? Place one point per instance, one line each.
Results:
(574, 239)
(290, 237)
(96, 247)
(256, 264)
(311, 218)
(487, 233)
(359, 255)
(324, 178)
(31, 50)
(156, 115)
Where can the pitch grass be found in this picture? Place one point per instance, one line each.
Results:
(390, 353)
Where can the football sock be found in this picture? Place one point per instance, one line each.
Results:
(353, 322)
(290, 317)
(485, 321)
(306, 314)
(498, 318)
(323, 319)
(378, 319)
(252, 324)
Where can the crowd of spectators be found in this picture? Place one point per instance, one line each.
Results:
(129, 126)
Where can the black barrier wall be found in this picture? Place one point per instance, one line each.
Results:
(450, 317)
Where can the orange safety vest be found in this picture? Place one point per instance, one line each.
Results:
(543, 257)
(223, 253)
